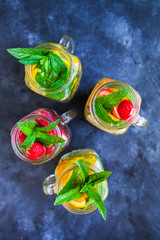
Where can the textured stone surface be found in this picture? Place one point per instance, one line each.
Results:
(117, 39)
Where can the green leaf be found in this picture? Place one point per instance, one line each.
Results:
(112, 100)
(47, 65)
(93, 194)
(49, 127)
(31, 60)
(43, 80)
(102, 113)
(27, 52)
(47, 139)
(71, 195)
(27, 127)
(75, 180)
(83, 169)
(29, 141)
(96, 178)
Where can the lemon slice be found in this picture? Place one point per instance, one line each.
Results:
(80, 203)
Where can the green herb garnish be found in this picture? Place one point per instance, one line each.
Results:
(53, 71)
(35, 133)
(104, 104)
(80, 182)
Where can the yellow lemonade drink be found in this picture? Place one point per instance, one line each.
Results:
(51, 69)
(71, 164)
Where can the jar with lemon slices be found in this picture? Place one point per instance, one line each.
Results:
(71, 164)
(51, 69)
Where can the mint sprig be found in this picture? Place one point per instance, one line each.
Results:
(94, 195)
(53, 71)
(79, 182)
(35, 133)
(104, 104)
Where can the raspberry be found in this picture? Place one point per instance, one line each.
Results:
(37, 150)
(42, 123)
(48, 150)
(21, 137)
(124, 109)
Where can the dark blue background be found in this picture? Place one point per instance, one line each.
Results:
(118, 39)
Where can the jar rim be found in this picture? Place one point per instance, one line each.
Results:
(39, 89)
(91, 206)
(18, 150)
(130, 120)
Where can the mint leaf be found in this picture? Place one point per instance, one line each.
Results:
(83, 169)
(71, 195)
(102, 113)
(112, 100)
(31, 60)
(29, 141)
(47, 139)
(26, 127)
(96, 178)
(27, 52)
(93, 194)
(49, 127)
(74, 181)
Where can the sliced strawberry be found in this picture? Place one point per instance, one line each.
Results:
(105, 92)
(114, 112)
(21, 137)
(37, 150)
(124, 109)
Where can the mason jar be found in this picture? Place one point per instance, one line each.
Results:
(44, 115)
(55, 182)
(63, 92)
(122, 126)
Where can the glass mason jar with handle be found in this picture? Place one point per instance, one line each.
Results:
(65, 86)
(43, 117)
(125, 114)
(54, 183)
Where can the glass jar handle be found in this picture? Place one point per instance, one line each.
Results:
(68, 116)
(140, 122)
(49, 184)
(67, 42)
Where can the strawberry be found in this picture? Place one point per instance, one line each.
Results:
(36, 150)
(21, 137)
(105, 92)
(124, 109)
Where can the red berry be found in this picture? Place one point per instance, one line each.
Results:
(37, 150)
(21, 137)
(105, 92)
(48, 150)
(42, 123)
(124, 109)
